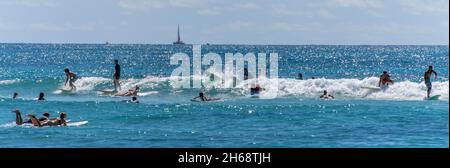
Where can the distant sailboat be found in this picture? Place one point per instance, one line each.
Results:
(178, 42)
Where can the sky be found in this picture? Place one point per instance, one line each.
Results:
(295, 22)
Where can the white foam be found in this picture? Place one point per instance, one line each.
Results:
(312, 88)
(9, 82)
(89, 83)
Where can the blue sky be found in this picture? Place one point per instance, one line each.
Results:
(226, 21)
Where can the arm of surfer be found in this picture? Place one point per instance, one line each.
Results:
(435, 74)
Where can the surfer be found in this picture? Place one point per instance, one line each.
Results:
(256, 90)
(131, 92)
(427, 77)
(70, 78)
(61, 120)
(385, 80)
(116, 76)
(33, 120)
(202, 97)
(15, 95)
(325, 95)
(41, 96)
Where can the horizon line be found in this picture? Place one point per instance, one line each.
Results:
(187, 44)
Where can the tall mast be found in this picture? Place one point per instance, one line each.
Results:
(179, 33)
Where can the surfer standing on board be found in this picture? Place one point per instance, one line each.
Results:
(385, 80)
(427, 78)
(116, 76)
(70, 78)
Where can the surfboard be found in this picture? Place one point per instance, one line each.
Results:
(64, 91)
(254, 96)
(371, 88)
(211, 100)
(435, 97)
(76, 124)
(69, 124)
(108, 91)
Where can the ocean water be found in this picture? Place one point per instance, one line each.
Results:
(358, 117)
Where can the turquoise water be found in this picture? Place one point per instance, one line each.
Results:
(397, 117)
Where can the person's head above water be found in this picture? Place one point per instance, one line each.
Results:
(41, 96)
(66, 70)
(116, 61)
(430, 67)
(31, 115)
(15, 94)
(385, 72)
(46, 115)
(325, 92)
(62, 115)
(201, 94)
(134, 98)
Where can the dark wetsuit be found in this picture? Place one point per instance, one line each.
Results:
(117, 71)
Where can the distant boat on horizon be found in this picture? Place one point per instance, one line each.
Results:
(178, 42)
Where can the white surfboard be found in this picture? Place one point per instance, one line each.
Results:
(69, 124)
(64, 91)
(435, 97)
(254, 96)
(76, 124)
(212, 100)
(373, 88)
(108, 91)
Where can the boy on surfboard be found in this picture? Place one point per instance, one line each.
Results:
(385, 80)
(70, 78)
(427, 77)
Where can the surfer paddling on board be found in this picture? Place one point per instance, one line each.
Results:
(33, 119)
(202, 97)
(385, 80)
(70, 78)
(116, 76)
(427, 77)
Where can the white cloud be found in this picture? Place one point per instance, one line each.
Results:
(60, 28)
(247, 5)
(358, 3)
(142, 4)
(30, 3)
(240, 25)
(427, 6)
(186, 3)
(209, 12)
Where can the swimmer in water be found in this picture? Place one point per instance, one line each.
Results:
(300, 76)
(41, 96)
(427, 78)
(134, 100)
(15, 95)
(325, 95)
